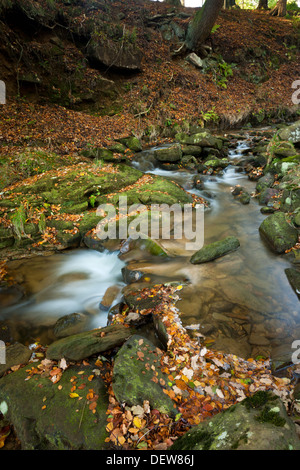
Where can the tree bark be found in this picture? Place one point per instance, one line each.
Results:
(229, 3)
(201, 25)
(279, 9)
(263, 5)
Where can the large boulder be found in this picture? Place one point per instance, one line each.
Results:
(259, 422)
(137, 376)
(46, 417)
(278, 233)
(291, 133)
(171, 153)
(110, 54)
(202, 139)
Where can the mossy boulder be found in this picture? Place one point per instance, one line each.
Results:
(85, 344)
(15, 354)
(171, 153)
(45, 417)
(291, 133)
(293, 276)
(259, 422)
(132, 143)
(215, 250)
(278, 233)
(264, 182)
(202, 139)
(137, 376)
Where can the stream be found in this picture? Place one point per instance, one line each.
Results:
(241, 303)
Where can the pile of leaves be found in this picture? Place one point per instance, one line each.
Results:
(202, 382)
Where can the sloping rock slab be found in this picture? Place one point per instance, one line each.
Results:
(47, 418)
(137, 376)
(259, 422)
(83, 345)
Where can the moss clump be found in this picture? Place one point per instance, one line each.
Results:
(194, 439)
(259, 399)
(267, 415)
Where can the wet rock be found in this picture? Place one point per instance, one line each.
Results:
(259, 422)
(69, 325)
(172, 153)
(136, 364)
(131, 275)
(264, 182)
(291, 133)
(215, 250)
(293, 276)
(109, 297)
(278, 233)
(202, 139)
(83, 345)
(9, 295)
(137, 302)
(161, 330)
(131, 142)
(267, 195)
(15, 354)
(194, 150)
(64, 423)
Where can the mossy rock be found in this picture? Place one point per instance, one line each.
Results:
(172, 153)
(85, 344)
(278, 233)
(259, 422)
(47, 418)
(132, 143)
(293, 276)
(202, 139)
(15, 354)
(137, 376)
(215, 250)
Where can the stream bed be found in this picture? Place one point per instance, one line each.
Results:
(241, 303)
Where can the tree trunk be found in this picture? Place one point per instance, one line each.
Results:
(279, 9)
(263, 5)
(229, 3)
(201, 25)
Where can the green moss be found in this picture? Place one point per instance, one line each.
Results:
(242, 438)
(259, 399)
(269, 416)
(194, 439)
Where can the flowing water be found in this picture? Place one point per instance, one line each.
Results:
(242, 303)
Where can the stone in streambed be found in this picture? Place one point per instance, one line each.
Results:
(137, 376)
(215, 250)
(172, 153)
(259, 422)
(15, 354)
(279, 234)
(83, 345)
(69, 325)
(293, 276)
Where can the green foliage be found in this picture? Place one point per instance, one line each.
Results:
(209, 117)
(42, 223)
(18, 220)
